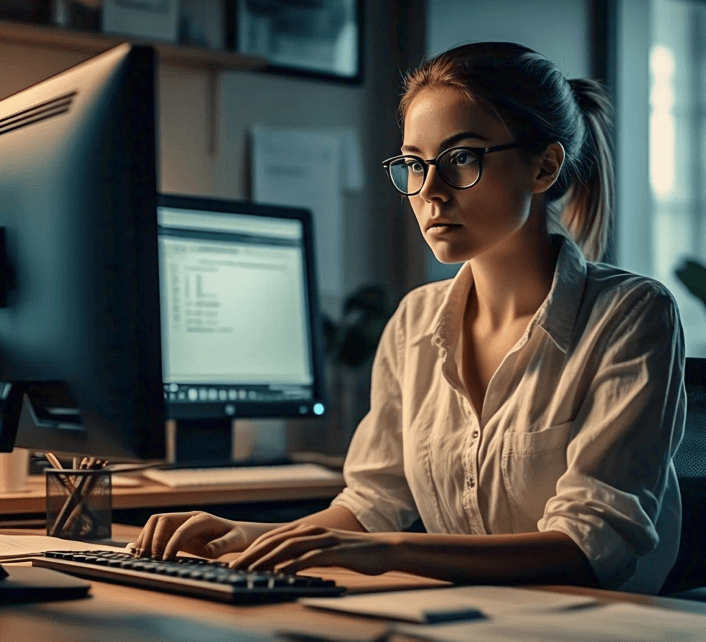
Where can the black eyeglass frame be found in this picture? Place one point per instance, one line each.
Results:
(479, 152)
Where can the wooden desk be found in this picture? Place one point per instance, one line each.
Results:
(112, 610)
(112, 604)
(153, 495)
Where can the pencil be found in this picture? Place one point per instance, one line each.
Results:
(70, 510)
(73, 523)
(54, 461)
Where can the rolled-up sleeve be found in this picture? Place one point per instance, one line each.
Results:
(620, 480)
(376, 490)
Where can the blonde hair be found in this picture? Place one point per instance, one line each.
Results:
(539, 106)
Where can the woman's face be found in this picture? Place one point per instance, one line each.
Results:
(462, 224)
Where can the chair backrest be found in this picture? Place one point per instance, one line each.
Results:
(690, 462)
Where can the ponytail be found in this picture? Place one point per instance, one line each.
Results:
(588, 208)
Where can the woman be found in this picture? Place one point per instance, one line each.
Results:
(528, 409)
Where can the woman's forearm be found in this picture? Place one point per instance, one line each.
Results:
(550, 557)
(335, 517)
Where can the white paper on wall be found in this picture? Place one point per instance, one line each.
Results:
(309, 168)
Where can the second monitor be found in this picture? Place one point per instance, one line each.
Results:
(241, 333)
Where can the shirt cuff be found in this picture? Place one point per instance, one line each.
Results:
(370, 518)
(612, 559)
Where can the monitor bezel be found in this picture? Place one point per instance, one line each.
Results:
(115, 110)
(247, 409)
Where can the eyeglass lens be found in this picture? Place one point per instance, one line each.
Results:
(458, 167)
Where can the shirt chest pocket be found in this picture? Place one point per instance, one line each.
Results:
(532, 462)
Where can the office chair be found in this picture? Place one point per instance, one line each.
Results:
(689, 571)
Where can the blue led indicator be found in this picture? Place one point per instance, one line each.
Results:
(318, 409)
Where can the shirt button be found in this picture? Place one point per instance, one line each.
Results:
(475, 434)
(471, 482)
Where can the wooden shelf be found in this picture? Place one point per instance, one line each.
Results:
(93, 43)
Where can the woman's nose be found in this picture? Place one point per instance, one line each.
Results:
(434, 186)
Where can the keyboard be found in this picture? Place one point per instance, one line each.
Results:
(191, 576)
(235, 475)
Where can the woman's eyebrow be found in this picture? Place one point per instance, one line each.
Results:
(447, 142)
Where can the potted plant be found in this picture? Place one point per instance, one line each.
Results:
(693, 275)
(350, 344)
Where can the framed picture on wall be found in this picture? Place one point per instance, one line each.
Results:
(314, 38)
(149, 19)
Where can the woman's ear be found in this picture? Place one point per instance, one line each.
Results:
(549, 164)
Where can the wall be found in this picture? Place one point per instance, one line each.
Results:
(559, 30)
(376, 229)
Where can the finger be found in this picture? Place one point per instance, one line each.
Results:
(143, 543)
(197, 524)
(316, 557)
(161, 532)
(291, 549)
(263, 545)
(280, 534)
(268, 542)
(231, 541)
(276, 532)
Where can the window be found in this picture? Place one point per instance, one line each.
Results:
(677, 156)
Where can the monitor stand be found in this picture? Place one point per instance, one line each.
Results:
(204, 442)
(208, 443)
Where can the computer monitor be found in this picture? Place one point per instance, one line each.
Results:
(241, 332)
(80, 314)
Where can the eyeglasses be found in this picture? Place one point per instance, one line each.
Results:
(459, 167)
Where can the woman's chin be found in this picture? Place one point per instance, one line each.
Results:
(448, 255)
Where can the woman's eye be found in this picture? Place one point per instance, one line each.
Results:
(462, 158)
(414, 166)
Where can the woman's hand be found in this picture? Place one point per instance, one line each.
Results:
(294, 547)
(195, 532)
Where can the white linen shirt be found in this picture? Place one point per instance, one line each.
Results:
(577, 433)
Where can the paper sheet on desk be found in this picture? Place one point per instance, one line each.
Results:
(453, 603)
(604, 623)
(18, 546)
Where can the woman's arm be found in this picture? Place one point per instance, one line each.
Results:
(549, 558)
(337, 517)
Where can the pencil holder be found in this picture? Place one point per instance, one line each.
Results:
(79, 504)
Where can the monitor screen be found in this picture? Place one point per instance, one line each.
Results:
(80, 349)
(241, 333)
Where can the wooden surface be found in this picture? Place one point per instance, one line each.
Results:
(153, 495)
(93, 43)
(116, 605)
(119, 607)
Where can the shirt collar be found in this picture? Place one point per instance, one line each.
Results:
(446, 325)
(556, 316)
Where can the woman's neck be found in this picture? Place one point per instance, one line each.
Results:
(512, 281)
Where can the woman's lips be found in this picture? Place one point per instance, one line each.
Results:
(442, 228)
